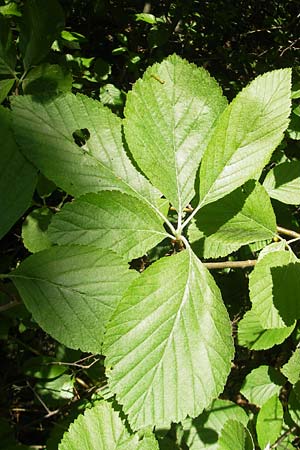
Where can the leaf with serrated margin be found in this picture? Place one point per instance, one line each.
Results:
(246, 134)
(169, 116)
(101, 428)
(203, 432)
(44, 128)
(291, 369)
(72, 291)
(283, 182)
(273, 289)
(169, 343)
(18, 177)
(110, 220)
(235, 436)
(252, 335)
(269, 422)
(241, 217)
(261, 384)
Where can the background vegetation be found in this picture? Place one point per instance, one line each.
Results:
(99, 48)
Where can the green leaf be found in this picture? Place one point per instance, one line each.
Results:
(169, 343)
(111, 95)
(261, 384)
(101, 428)
(72, 292)
(10, 9)
(292, 368)
(169, 114)
(234, 436)
(238, 219)
(145, 17)
(43, 367)
(5, 87)
(294, 404)
(34, 230)
(283, 182)
(47, 79)
(46, 130)
(272, 289)
(203, 432)
(252, 335)
(110, 220)
(269, 422)
(245, 135)
(18, 177)
(7, 49)
(41, 25)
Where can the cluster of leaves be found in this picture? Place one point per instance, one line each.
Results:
(184, 183)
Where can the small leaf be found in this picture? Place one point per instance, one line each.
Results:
(203, 432)
(234, 436)
(5, 87)
(169, 114)
(37, 31)
(34, 230)
(292, 368)
(244, 216)
(48, 141)
(261, 384)
(145, 17)
(18, 176)
(269, 422)
(47, 79)
(101, 428)
(73, 291)
(252, 335)
(246, 135)
(169, 344)
(272, 289)
(283, 182)
(110, 220)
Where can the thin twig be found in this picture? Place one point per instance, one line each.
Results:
(287, 232)
(283, 436)
(230, 264)
(40, 400)
(9, 305)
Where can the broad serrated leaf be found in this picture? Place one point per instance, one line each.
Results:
(111, 220)
(72, 291)
(272, 289)
(203, 432)
(18, 176)
(283, 182)
(292, 368)
(252, 335)
(45, 130)
(241, 217)
(261, 384)
(7, 49)
(269, 422)
(101, 428)
(234, 436)
(38, 31)
(169, 344)
(246, 134)
(169, 114)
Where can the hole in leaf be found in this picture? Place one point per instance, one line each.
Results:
(81, 136)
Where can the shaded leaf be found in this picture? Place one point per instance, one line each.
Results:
(242, 217)
(111, 220)
(72, 292)
(283, 182)
(269, 422)
(34, 230)
(7, 49)
(5, 87)
(261, 384)
(252, 335)
(169, 344)
(18, 176)
(37, 31)
(169, 114)
(47, 78)
(204, 431)
(246, 135)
